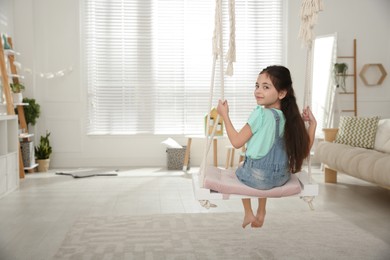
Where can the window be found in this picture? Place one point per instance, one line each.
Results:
(148, 62)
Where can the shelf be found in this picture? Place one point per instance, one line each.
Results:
(379, 80)
(20, 104)
(346, 93)
(22, 136)
(346, 75)
(15, 76)
(31, 167)
(7, 117)
(345, 57)
(10, 52)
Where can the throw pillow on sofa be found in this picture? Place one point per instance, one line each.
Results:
(382, 138)
(357, 131)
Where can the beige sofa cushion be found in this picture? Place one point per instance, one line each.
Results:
(382, 140)
(366, 164)
(357, 131)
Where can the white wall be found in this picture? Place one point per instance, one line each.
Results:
(6, 17)
(366, 21)
(46, 32)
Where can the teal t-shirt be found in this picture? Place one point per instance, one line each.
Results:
(263, 126)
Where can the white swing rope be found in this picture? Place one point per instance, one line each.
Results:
(309, 14)
(230, 58)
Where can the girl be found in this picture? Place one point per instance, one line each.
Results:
(276, 137)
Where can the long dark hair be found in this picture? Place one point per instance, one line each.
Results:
(295, 134)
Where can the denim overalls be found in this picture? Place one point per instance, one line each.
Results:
(269, 171)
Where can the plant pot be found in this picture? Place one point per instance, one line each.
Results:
(17, 98)
(330, 134)
(43, 165)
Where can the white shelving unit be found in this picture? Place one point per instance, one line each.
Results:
(9, 154)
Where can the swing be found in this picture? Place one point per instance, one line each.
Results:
(213, 183)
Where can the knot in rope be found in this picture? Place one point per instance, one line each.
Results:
(230, 56)
(309, 14)
(231, 53)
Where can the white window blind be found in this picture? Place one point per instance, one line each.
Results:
(148, 62)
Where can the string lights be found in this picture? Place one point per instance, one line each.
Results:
(46, 75)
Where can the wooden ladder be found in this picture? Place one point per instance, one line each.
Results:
(8, 97)
(354, 75)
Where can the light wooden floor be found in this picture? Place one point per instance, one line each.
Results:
(35, 219)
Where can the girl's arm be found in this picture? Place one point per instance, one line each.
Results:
(308, 116)
(237, 139)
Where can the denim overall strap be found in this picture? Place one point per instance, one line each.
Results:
(277, 119)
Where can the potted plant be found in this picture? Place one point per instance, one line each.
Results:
(43, 152)
(31, 111)
(17, 89)
(340, 73)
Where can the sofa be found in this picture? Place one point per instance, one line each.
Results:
(367, 159)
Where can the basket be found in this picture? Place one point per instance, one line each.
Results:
(175, 158)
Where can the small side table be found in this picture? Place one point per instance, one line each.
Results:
(189, 141)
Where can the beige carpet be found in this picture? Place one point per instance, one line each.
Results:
(293, 235)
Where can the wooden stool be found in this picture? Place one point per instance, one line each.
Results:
(188, 150)
(230, 156)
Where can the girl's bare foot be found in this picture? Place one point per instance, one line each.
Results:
(248, 219)
(260, 216)
(256, 224)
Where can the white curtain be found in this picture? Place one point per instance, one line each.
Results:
(148, 62)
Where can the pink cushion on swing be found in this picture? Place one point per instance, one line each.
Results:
(226, 182)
